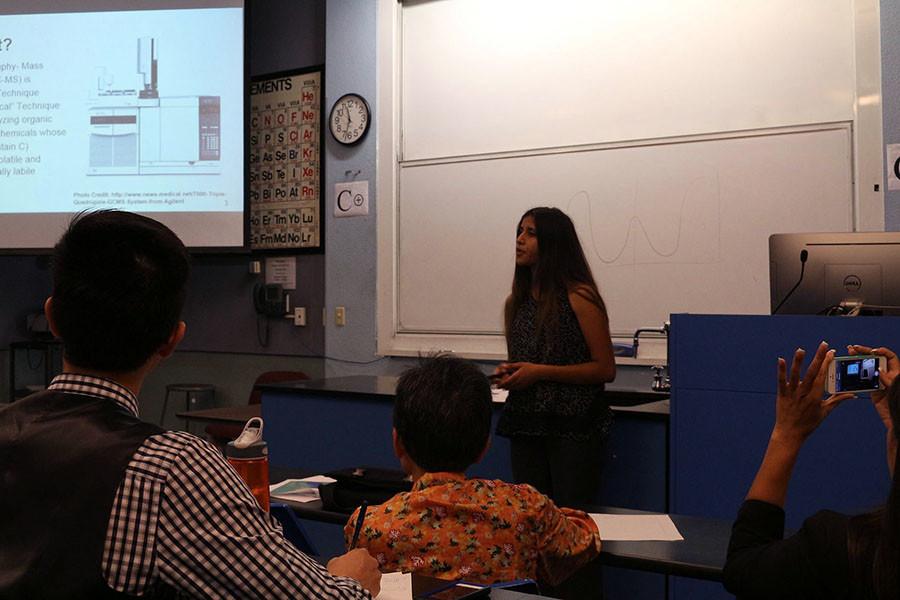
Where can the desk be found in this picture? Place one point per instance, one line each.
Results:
(224, 414)
(701, 555)
(424, 583)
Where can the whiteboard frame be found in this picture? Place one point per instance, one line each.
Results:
(868, 204)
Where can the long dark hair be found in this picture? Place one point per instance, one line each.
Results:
(873, 539)
(561, 267)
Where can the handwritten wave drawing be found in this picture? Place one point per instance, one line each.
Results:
(693, 241)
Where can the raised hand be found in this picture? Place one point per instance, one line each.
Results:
(799, 408)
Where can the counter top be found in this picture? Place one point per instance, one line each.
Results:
(369, 385)
(658, 408)
(621, 399)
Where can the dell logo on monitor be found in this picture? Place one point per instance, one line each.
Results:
(852, 283)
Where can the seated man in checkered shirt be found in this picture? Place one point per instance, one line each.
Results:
(96, 503)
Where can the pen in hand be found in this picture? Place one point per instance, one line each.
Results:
(359, 522)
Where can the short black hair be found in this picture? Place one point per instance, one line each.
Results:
(442, 413)
(119, 282)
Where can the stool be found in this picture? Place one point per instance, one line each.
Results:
(197, 396)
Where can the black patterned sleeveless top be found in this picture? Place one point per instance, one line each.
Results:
(547, 408)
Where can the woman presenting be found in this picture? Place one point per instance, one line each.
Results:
(560, 355)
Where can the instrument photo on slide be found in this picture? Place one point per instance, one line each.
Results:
(131, 105)
(135, 131)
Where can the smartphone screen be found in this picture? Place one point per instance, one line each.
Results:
(856, 373)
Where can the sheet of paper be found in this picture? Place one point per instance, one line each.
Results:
(299, 490)
(636, 528)
(395, 586)
(319, 479)
(282, 270)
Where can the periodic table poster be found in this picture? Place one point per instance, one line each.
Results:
(285, 162)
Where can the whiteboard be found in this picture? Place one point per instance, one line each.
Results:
(678, 136)
(667, 227)
(509, 75)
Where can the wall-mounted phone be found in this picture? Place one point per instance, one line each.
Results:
(269, 299)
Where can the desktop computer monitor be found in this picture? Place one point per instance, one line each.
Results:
(838, 273)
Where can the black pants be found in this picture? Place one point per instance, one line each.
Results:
(565, 470)
(568, 472)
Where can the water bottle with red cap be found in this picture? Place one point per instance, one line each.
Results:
(249, 455)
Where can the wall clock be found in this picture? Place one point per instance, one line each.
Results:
(349, 119)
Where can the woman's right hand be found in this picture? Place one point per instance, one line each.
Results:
(879, 397)
(501, 374)
(521, 375)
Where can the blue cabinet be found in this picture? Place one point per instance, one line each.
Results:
(723, 407)
(334, 423)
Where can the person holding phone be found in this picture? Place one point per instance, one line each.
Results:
(560, 357)
(832, 555)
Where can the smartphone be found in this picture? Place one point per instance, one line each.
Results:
(859, 373)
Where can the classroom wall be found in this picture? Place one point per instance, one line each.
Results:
(890, 98)
(351, 42)
(288, 34)
(24, 285)
(283, 35)
(350, 257)
(221, 345)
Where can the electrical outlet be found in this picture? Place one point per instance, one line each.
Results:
(300, 316)
(340, 316)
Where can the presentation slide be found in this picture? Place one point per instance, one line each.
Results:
(139, 110)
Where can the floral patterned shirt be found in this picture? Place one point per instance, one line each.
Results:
(477, 530)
